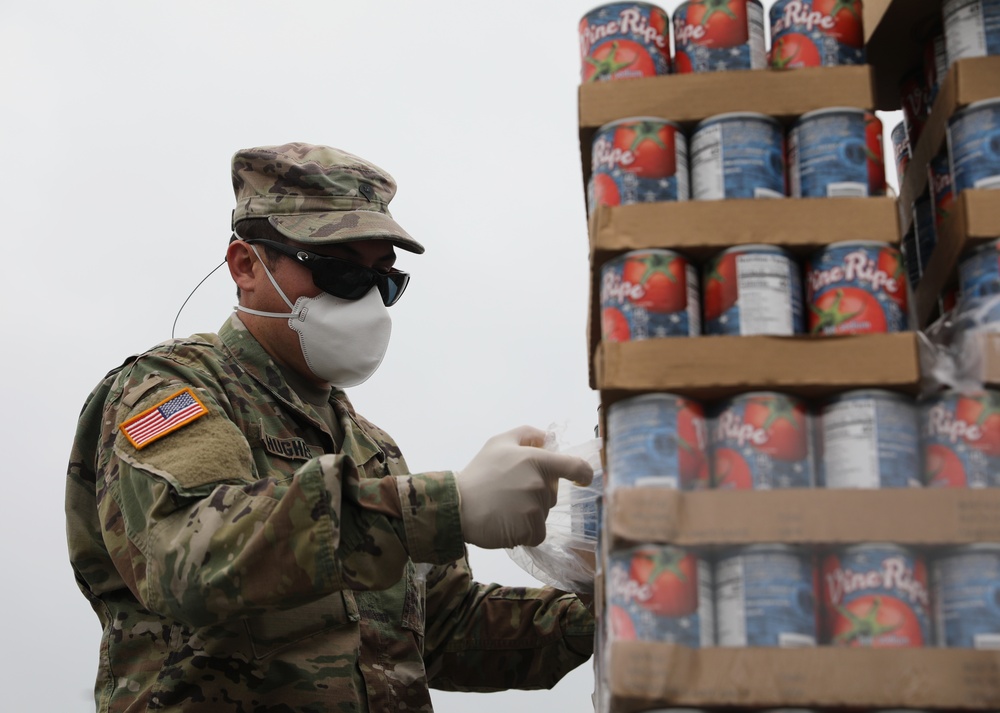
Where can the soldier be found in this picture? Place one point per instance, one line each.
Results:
(249, 542)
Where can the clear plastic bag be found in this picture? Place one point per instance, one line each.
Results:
(566, 559)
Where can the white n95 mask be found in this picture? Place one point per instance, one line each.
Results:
(343, 341)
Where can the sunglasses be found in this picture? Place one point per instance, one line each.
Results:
(342, 278)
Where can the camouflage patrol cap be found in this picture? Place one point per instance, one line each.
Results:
(316, 194)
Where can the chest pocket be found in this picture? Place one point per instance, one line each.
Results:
(279, 630)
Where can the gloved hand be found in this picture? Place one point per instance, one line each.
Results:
(506, 491)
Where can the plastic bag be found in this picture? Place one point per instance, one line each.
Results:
(566, 559)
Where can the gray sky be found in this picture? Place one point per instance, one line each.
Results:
(118, 123)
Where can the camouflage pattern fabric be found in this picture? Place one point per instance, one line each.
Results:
(316, 194)
(241, 564)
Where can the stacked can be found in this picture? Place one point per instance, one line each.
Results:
(974, 146)
(901, 150)
(869, 438)
(856, 287)
(719, 35)
(738, 155)
(971, 28)
(814, 33)
(647, 294)
(941, 193)
(753, 289)
(624, 40)
(638, 160)
(660, 593)
(836, 152)
(961, 439)
(979, 272)
(762, 440)
(967, 597)
(876, 595)
(657, 440)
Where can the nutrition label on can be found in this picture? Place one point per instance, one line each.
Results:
(850, 445)
(693, 301)
(755, 26)
(706, 164)
(972, 28)
(763, 286)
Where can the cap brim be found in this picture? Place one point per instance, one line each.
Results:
(343, 227)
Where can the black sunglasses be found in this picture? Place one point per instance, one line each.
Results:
(342, 278)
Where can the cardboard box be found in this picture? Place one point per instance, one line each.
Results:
(974, 220)
(968, 81)
(713, 367)
(690, 98)
(925, 517)
(871, 14)
(896, 44)
(644, 675)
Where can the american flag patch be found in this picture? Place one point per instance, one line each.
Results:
(170, 414)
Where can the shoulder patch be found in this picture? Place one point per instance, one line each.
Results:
(175, 411)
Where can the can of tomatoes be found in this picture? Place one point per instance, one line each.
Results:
(979, 272)
(941, 194)
(967, 596)
(647, 294)
(657, 440)
(961, 439)
(925, 236)
(901, 149)
(935, 63)
(816, 33)
(971, 28)
(624, 40)
(856, 287)
(974, 146)
(875, 595)
(720, 35)
(738, 155)
(660, 593)
(762, 440)
(753, 289)
(870, 438)
(836, 152)
(638, 160)
(765, 595)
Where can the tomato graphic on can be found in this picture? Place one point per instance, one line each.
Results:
(856, 287)
(624, 40)
(647, 294)
(961, 439)
(876, 595)
(762, 440)
(816, 33)
(660, 593)
(719, 35)
(753, 289)
(638, 160)
(657, 440)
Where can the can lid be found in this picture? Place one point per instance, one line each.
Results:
(883, 394)
(974, 106)
(604, 6)
(637, 119)
(738, 116)
(652, 397)
(830, 110)
(756, 248)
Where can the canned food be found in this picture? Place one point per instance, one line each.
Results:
(925, 235)
(624, 40)
(816, 33)
(901, 149)
(979, 272)
(967, 597)
(719, 35)
(648, 294)
(762, 440)
(974, 146)
(753, 289)
(836, 152)
(870, 439)
(914, 98)
(660, 593)
(658, 440)
(638, 160)
(738, 155)
(942, 196)
(971, 28)
(935, 63)
(765, 595)
(856, 287)
(875, 595)
(961, 439)
(911, 258)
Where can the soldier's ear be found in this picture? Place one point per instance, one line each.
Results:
(240, 258)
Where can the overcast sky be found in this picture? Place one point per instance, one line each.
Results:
(118, 123)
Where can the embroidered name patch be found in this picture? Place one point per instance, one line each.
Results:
(165, 417)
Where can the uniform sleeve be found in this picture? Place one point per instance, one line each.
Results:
(199, 536)
(485, 637)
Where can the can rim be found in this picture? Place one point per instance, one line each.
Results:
(757, 247)
(594, 9)
(732, 115)
(654, 396)
(830, 110)
(629, 119)
(867, 393)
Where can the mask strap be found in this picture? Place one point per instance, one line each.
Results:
(173, 327)
(273, 282)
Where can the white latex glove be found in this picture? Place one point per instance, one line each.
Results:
(506, 491)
